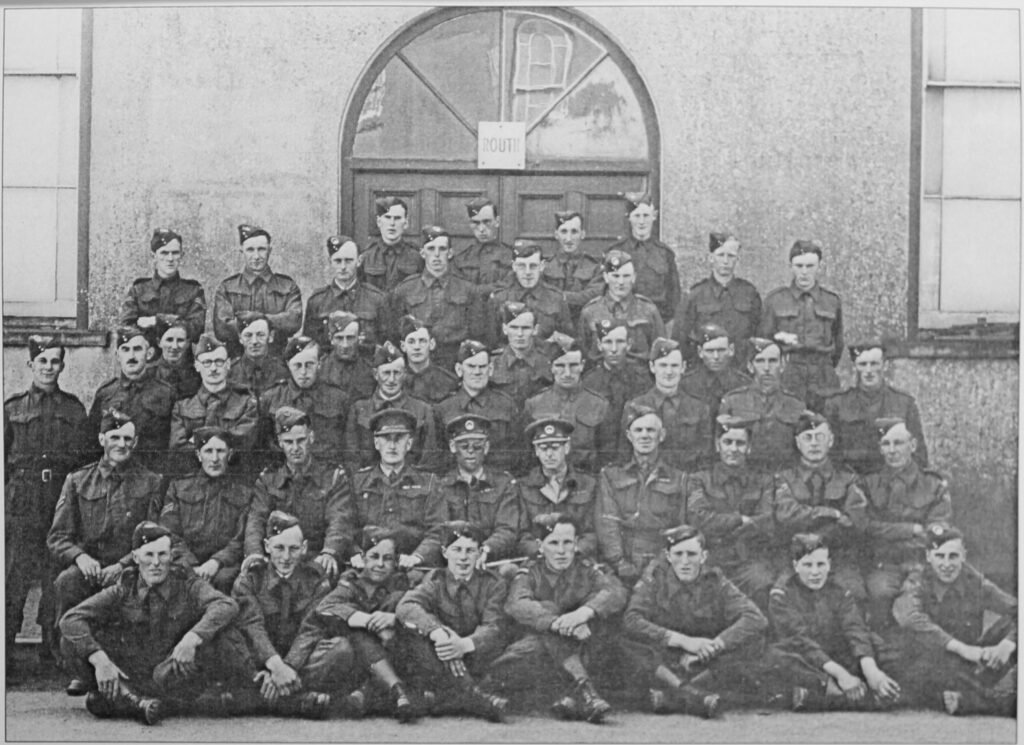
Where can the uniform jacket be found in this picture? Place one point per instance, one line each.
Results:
(327, 406)
(232, 408)
(897, 500)
(363, 300)
(618, 385)
(852, 415)
(354, 376)
(489, 266)
(508, 449)
(492, 502)
(710, 387)
(452, 307)
(521, 377)
(774, 440)
(274, 294)
(735, 306)
(576, 497)
(359, 438)
(657, 276)
(538, 595)
(207, 516)
(687, 420)
(148, 402)
(594, 430)
(801, 499)
(640, 314)
(149, 296)
(257, 375)
(384, 267)
(183, 378)
(815, 316)
(577, 275)
(433, 384)
(550, 311)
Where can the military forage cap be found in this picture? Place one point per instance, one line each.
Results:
(432, 232)
(38, 343)
(161, 237)
(717, 240)
(800, 248)
(125, 334)
(563, 216)
(147, 532)
(247, 318)
(549, 429)
(279, 521)
(468, 426)
(382, 204)
(607, 325)
(473, 206)
(386, 353)
(455, 529)
(804, 544)
(523, 248)
(206, 343)
(392, 422)
(662, 347)
(163, 325)
(633, 411)
(410, 325)
(679, 534)
(635, 198)
(938, 534)
(339, 320)
(335, 242)
(708, 332)
(512, 309)
(287, 417)
(809, 420)
(245, 232)
(204, 434)
(371, 535)
(884, 424)
(297, 345)
(560, 346)
(544, 524)
(865, 346)
(726, 422)
(760, 344)
(616, 259)
(469, 348)
(114, 419)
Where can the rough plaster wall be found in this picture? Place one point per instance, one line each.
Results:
(85, 370)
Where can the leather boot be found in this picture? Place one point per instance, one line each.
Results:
(482, 704)
(99, 705)
(357, 703)
(698, 702)
(309, 705)
(405, 710)
(594, 708)
(147, 710)
(567, 707)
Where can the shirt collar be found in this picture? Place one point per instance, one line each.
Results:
(251, 276)
(430, 280)
(814, 292)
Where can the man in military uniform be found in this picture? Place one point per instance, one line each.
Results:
(563, 603)
(326, 405)
(137, 393)
(392, 494)
(723, 299)
(390, 393)
(854, 411)
(639, 499)
(619, 302)
(345, 365)
(206, 512)
(687, 420)
(825, 653)
(90, 539)
(773, 409)
(593, 430)
(657, 277)
(942, 610)
(713, 374)
(476, 396)
(258, 288)
(617, 376)
(550, 311)
(481, 493)
(317, 493)
(45, 433)
(391, 259)
(148, 643)
(904, 501)
(451, 306)
(166, 296)
(273, 600)
(423, 379)
(217, 404)
(255, 370)
(807, 320)
(817, 496)
(174, 363)
(486, 262)
(345, 293)
(732, 505)
(689, 631)
(573, 270)
(555, 485)
(521, 369)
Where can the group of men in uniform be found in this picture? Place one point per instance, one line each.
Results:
(461, 477)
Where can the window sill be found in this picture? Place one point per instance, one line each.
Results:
(963, 348)
(17, 336)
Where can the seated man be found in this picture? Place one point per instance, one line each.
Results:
(345, 365)
(273, 599)
(452, 626)
(550, 311)
(732, 504)
(713, 372)
(521, 369)
(255, 369)
(423, 380)
(563, 603)
(825, 653)
(347, 293)
(206, 512)
(942, 608)
(174, 365)
(689, 632)
(554, 485)
(361, 610)
(148, 640)
(319, 495)
(639, 499)
(486, 496)
(392, 494)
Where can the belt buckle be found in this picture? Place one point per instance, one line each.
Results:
(46, 475)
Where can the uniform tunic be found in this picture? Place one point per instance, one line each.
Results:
(433, 384)
(257, 375)
(355, 375)
(575, 496)
(577, 275)
(710, 386)
(491, 502)
(207, 516)
(852, 415)
(508, 450)
(640, 314)
(593, 429)
(897, 500)
(365, 301)
(231, 408)
(182, 377)
(657, 276)
(275, 295)
(450, 306)
(359, 446)
(151, 296)
(735, 306)
(521, 377)
(806, 494)
(326, 405)
(488, 265)
(687, 420)
(550, 311)
(148, 402)
(384, 267)
(773, 444)
(618, 385)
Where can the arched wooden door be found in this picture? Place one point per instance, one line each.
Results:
(411, 126)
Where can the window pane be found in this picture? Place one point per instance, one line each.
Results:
(980, 256)
(983, 45)
(67, 244)
(601, 118)
(30, 245)
(46, 40)
(931, 145)
(931, 253)
(31, 131)
(67, 148)
(981, 143)
(935, 44)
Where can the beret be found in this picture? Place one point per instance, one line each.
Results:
(39, 343)
(937, 534)
(544, 524)
(125, 334)
(287, 417)
(279, 521)
(114, 419)
(336, 242)
(884, 424)
(615, 260)
(453, 530)
(802, 247)
(386, 353)
(432, 232)
(563, 216)
(470, 348)
(382, 204)
(245, 232)
(512, 309)
(297, 345)
(549, 429)
(339, 320)
(662, 347)
(867, 345)
(523, 248)
(809, 420)
(371, 535)
(410, 325)
(803, 544)
(392, 421)
(708, 332)
(204, 434)
(473, 206)
(726, 422)
(146, 532)
(633, 411)
(717, 240)
(467, 425)
(247, 318)
(679, 534)
(206, 343)
(161, 237)
(635, 198)
(607, 325)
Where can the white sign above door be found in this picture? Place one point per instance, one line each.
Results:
(501, 145)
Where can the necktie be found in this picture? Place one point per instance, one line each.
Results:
(393, 477)
(816, 485)
(213, 409)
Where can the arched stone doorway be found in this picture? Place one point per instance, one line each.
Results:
(411, 125)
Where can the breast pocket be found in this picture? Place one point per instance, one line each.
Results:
(666, 499)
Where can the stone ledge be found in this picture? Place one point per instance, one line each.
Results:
(17, 336)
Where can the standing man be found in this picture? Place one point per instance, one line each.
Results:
(256, 370)
(45, 431)
(165, 297)
(521, 369)
(854, 411)
(256, 287)
(345, 365)
(657, 277)
(713, 374)
(173, 364)
(550, 311)
(387, 261)
(573, 271)
(724, 299)
(486, 262)
(423, 379)
(807, 320)
(345, 293)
